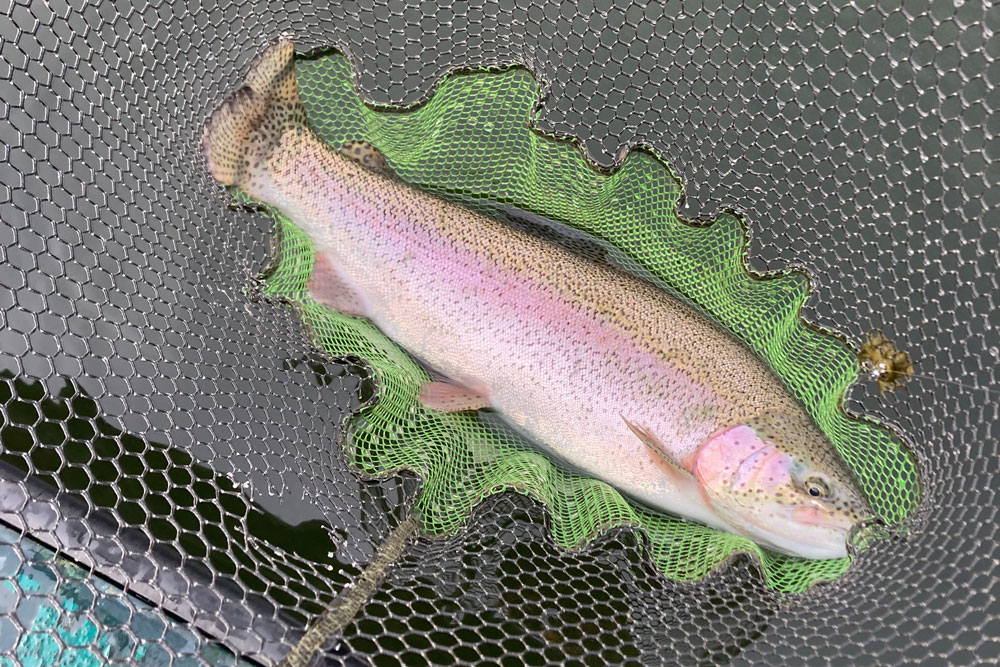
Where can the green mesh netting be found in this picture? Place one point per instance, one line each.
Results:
(473, 142)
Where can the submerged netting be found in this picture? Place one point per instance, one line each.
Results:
(170, 432)
(472, 141)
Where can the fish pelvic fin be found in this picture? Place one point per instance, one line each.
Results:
(242, 132)
(451, 397)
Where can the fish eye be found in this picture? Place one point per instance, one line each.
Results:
(817, 487)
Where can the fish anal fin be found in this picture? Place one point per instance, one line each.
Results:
(330, 288)
(452, 397)
(673, 467)
(367, 156)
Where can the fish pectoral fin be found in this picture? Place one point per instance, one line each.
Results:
(367, 156)
(451, 397)
(646, 436)
(331, 289)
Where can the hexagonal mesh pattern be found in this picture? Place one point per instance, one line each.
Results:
(172, 431)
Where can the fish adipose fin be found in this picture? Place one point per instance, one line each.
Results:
(367, 156)
(674, 468)
(330, 288)
(243, 131)
(450, 397)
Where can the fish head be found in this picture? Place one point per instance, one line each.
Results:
(778, 480)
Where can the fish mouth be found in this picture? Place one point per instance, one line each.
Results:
(860, 532)
(814, 531)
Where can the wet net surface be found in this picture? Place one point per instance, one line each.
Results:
(172, 430)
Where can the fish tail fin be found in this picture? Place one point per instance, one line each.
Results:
(248, 124)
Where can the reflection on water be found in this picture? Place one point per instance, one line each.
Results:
(73, 619)
(206, 534)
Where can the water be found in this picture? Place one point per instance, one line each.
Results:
(75, 619)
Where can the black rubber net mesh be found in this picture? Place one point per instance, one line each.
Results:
(171, 432)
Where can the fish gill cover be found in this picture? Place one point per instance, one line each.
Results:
(473, 141)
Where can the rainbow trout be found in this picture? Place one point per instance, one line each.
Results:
(617, 377)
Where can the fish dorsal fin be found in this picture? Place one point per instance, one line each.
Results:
(367, 156)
